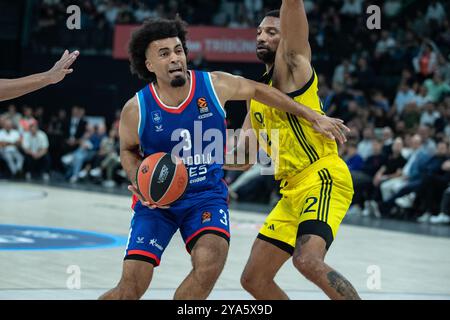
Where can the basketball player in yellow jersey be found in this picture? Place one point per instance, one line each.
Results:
(316, 183)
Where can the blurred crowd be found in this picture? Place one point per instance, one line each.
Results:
(63, 147)
(390, 86)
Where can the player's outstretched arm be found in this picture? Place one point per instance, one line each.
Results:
(294, 28)
(294, 50)
(13, 88)
(230, 87)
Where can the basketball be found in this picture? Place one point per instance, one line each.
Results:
(161, 178)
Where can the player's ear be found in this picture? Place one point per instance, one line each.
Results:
(149, 65)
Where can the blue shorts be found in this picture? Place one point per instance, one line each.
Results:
(196, 214)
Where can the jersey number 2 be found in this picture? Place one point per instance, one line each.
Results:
(314, 201)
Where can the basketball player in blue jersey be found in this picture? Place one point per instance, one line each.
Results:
(13, 88)
(159, 118)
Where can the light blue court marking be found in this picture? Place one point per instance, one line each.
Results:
(21, 237)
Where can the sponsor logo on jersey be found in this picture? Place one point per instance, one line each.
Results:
(140, 240)
(202, 106)
(159, 128)
(154, 242)
(206, 216)
(156, 116)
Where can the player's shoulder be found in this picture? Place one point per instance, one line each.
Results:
(131, 108)
(131, 105)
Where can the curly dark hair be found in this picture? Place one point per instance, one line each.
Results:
(151, 30)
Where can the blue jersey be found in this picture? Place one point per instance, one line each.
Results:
(195, 130)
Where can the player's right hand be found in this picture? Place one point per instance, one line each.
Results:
(62, 66)
(331, 128)
(144, 202)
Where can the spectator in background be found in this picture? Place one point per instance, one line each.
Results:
(362, 179)
(84, 160)
(38, 114)
(391, 169)
(339, 72)
(443, 68)
(426, 61)
(436, 178)
(27, 119)
(76, 128)
(355, 163)
(444, 214)
(107, 160)
(13, 115)
(429, 115)
(421, 97)
(404, 96)
(384, 44)
(387, 138)
(410, 178)
(380, 101)
(35, 146)
(436, 12)
(391, 8)
(352, 7)
(143, 12)
(56, 136)
(366, 144)
(364, 75)
(75, 160)
(436, 88)
(428, 143)
(9, 147)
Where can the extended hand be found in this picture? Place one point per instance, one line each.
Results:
(331, 128)
(61, 67)
(135, 191)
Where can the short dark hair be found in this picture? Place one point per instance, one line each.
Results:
(152, 30)
(273, 13)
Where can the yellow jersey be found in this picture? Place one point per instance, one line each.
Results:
(290, 141)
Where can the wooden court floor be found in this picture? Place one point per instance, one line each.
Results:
(381, 264)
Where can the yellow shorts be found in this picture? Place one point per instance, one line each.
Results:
(314, 202)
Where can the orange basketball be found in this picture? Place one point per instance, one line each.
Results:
(162, 178)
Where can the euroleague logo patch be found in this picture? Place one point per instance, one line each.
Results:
(202, 105)
(206, 216)
(144, 169)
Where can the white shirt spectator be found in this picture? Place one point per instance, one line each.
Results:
(365, 148)
(428, 118)
(252, 7)
(435, 11)
(11, 136)
(340, 71)
(352, 7)
(420, 100)
(35, 143)
(384, 45)
(142, 13)
(403, 98)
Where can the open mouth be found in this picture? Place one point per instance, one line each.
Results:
(178, 70)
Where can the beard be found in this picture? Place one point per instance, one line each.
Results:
(267, 57)
(178, 82)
